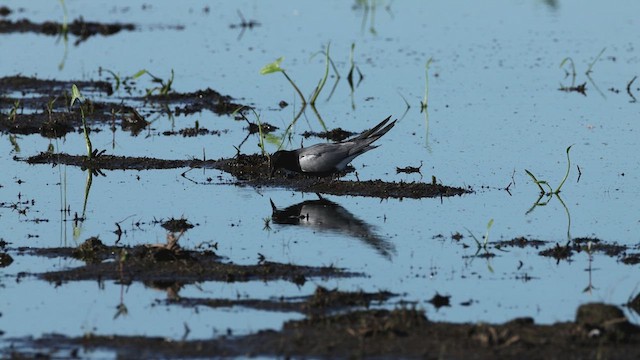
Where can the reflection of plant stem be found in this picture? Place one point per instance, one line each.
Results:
(288, 129)
(590, 68)
(87, 189)
(426, 125)
(566, 209)
(590, 286)
(315, 111)
(564, 205)
(595, 85)
(64, 34)
(573, 69)
(318, 89)
(304, 101)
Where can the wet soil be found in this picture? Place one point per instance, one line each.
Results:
(253, 170)
(168, 264)
(599, 331)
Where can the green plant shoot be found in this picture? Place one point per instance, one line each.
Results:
(275, 67)
(75, 95)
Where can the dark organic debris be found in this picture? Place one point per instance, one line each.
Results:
(589, 245)
(631, 259)
(439, 301)
(558, 252)
(177, 225)
(409, 169)
(520, 242)
(582, 88)
(401, 333)
(253, 170)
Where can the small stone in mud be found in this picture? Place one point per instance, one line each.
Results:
(177, 225)
(558, 252)
(4, 11)
(439, 301)
(631, 259)
(600, 319)
(5, 260)
(90, 251)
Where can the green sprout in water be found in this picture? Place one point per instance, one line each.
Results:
(550, 193)
(75, 95)
(424, 102)
(275, 67)
(318, 89)
(483, 244)
(164, 87)
(13, 114)
(544, 182)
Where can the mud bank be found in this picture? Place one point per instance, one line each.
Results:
(599, 331)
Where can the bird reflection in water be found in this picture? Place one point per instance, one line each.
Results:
(326, 216)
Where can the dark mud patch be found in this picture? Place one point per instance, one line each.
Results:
(43, 107)
(253, 170)
(197, 101)
(167, 263)
(321, 302)
(30, 85)
(79, 27)
(110, 162)
(600, 331)
(520, 242)
(333, 135)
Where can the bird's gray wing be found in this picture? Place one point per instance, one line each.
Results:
(325, 157)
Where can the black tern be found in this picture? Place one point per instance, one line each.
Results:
(328, 159)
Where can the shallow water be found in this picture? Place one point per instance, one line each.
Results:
(494, 111)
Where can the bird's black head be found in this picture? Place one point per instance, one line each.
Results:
(276, 162)
(285, 159)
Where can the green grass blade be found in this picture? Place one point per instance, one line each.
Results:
(272, 67)
(566, 175)
(534, 180)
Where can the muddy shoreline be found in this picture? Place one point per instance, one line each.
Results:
(599, 330)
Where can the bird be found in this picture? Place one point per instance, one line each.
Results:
(328, 159)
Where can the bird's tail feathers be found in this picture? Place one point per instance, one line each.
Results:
(374, 129)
